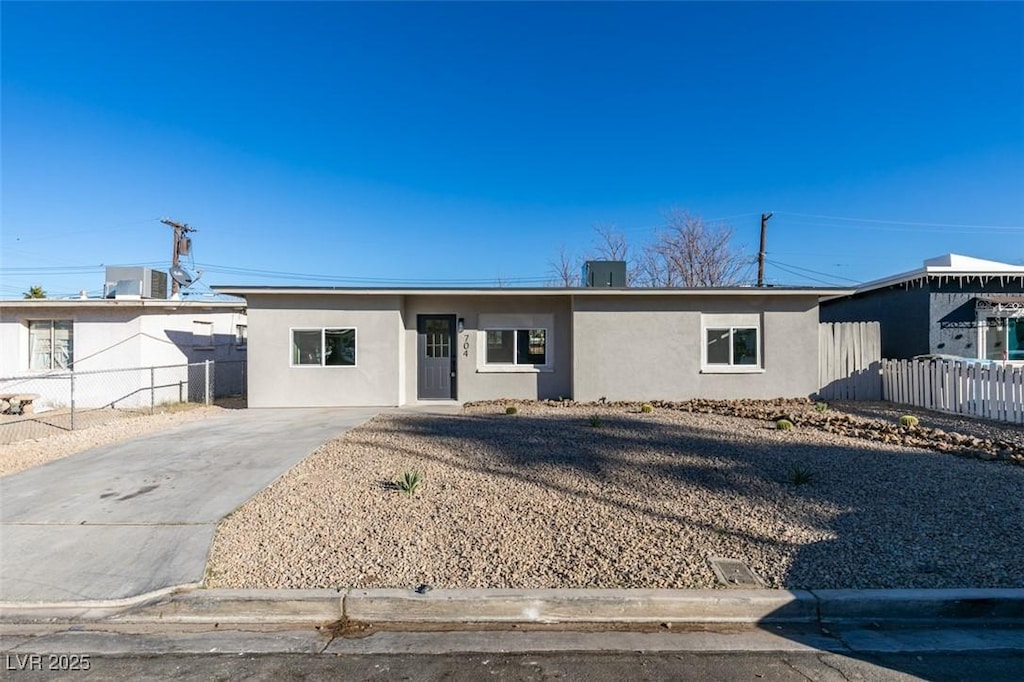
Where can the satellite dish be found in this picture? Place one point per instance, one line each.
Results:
(182, 276)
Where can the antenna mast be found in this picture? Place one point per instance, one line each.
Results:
(182, 245)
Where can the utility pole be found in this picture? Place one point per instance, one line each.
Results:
(765, 217)
(182, 246)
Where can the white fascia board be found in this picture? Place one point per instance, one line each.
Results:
(545, 291)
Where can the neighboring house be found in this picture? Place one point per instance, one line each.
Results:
(40, 338)
(952, 305)
(343, 346)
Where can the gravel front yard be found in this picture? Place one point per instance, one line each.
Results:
(544, 499)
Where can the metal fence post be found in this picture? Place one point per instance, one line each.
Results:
(152, 389)
(72, 400)
(207, 366)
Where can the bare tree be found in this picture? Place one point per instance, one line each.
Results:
(611, 243)
(565, 269)
(685, 252)
(688, 252)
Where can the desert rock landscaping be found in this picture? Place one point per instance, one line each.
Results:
(607, 496)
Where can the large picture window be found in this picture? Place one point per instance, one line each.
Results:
(517, 347)
(329, 347)
(51, 344)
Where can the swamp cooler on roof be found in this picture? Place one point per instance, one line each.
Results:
(135, 282)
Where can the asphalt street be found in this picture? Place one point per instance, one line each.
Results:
(562, 666)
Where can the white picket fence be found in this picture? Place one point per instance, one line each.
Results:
(989, 390)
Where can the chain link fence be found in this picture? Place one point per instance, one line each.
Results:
(37, 406)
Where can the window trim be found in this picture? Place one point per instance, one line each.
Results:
(1001, 326)
(241, 341)
(323, 345)
(732, 322)
(514, 367)
(52, 320)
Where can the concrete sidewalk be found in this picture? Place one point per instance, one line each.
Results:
(139, 516)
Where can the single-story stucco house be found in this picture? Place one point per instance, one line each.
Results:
(105, 342)
(43, 335)
(952, 305)
(322, 346)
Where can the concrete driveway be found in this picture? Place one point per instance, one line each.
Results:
(138, 516)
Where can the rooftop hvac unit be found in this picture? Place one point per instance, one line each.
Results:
(134, 282)
(604, 273)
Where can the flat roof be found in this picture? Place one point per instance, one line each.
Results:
(537, 291)
(157, 303)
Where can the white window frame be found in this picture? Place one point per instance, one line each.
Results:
(732, 322)
(515, 323)
(202, 341)
(986, 327)
(53, 354)
(323, 346)
(241, 337)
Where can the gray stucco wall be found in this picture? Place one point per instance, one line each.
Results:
(374, 380)
(902, 314)
(476, 382)
(645, 348)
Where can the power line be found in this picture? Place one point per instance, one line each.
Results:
(803, 276)
(273, 274)
(43, 235)
(816, 272)
(903, 222)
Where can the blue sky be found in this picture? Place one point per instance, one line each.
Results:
(420, 143)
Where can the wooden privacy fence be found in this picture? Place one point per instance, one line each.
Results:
(990, 390)
(849, 361)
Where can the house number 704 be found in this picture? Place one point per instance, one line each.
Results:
(465, 346)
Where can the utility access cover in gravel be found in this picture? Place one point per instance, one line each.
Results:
(607, 497)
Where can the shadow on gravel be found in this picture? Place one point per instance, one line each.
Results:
(887, 519)
(898, 519)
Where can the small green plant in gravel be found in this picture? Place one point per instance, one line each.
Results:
(784, 425)
(647, 408)
(800, 475)
(821, 407)
(908, 420)
(409, 482)
(511, 409)
(595, 421)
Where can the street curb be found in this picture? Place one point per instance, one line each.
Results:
(240, 606)
(187, 605)
(85, 610)
(991, 606)
(580, 606)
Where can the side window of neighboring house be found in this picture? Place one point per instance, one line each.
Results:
(732, 343)
(1004, 338)
(241, 335)
(50, 344)
(202, 334)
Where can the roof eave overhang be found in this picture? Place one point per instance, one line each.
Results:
(247, 291)
(934, 272)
